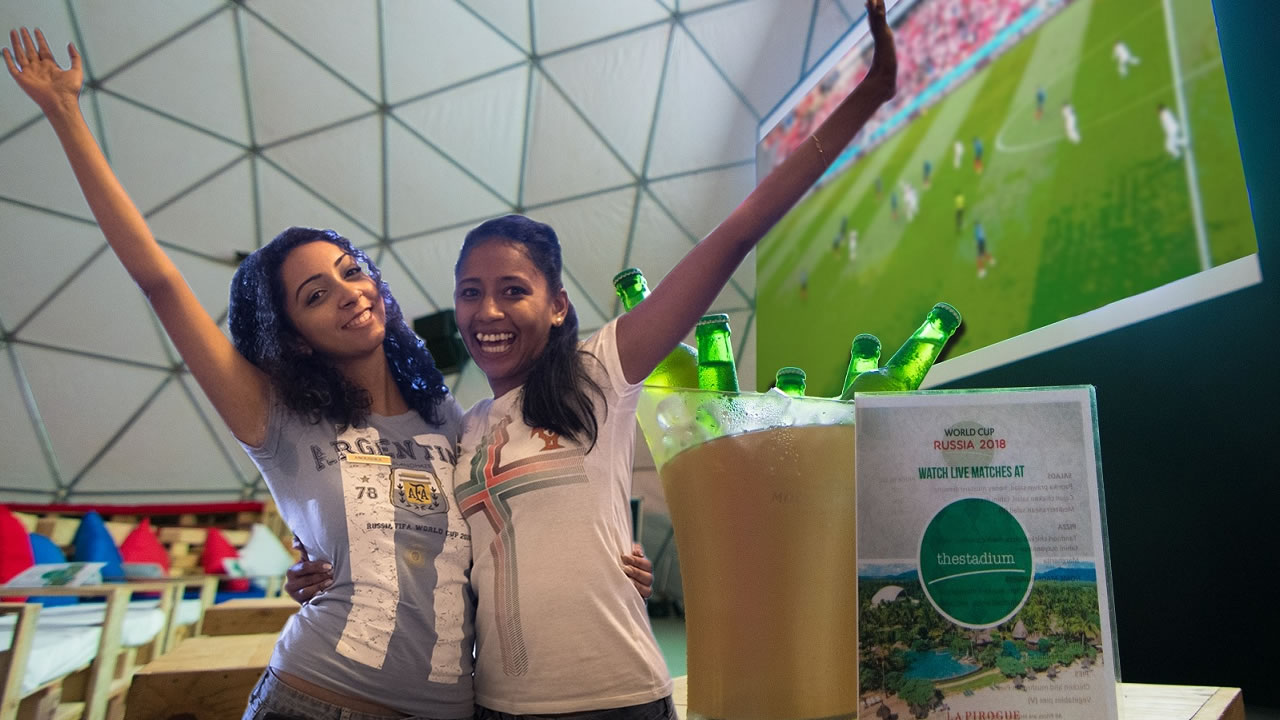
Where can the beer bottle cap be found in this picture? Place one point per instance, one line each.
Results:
(626, 273)
(866, 341)
(790, 373)
(713, 320)
(948, 314)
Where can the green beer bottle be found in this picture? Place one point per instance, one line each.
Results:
(680, 367)
(716, 370)
(790, 380)
(864, 356)
(907, 368)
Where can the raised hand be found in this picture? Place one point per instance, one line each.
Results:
(882, 78)
(32, 65)
(648, 332)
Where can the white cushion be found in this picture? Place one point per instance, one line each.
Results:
(142, 620)
(55, 652)
(264, 555)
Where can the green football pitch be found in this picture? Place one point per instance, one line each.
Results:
(1071, 227)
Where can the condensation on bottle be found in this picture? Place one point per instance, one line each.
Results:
(909, 365)
(864, 356)
(790, 380)
(679, 369)
(716, 368)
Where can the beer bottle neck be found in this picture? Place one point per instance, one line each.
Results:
(716, 368)
(792, 388)
(912, 361)
(864, 356)
(714, 347)
(790, 380)
(631, 292)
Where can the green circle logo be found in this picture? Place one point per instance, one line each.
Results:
(975, 563)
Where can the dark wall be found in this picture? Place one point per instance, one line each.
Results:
(1187, 413)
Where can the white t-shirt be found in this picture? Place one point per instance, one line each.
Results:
(559, 626)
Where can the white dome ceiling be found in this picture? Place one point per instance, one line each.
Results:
(628, 125)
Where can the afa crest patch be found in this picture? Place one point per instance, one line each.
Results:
(417, 491)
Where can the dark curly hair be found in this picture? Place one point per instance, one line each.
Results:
(558, 392)
(307, 382)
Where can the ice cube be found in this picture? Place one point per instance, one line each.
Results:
(673, 413)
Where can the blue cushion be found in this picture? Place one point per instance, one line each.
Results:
(94, 544)
(46, 552)
(252, 592)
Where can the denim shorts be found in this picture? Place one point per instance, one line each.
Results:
(271, 699)
(663, 709)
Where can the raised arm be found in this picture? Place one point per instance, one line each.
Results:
(238, 389)
(648, 332)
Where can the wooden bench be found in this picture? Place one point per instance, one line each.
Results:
(97, 690)
(183, 544)
(203, 678)
(249, 616)
(13, 662)
(224, 516)
(183, 541)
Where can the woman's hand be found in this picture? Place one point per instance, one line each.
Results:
(640, 570)
(882, 78)
(32, 65)
(307, 578)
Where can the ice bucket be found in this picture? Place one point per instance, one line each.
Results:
(761, 490)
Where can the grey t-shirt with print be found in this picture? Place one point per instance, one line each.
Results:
(377, 502)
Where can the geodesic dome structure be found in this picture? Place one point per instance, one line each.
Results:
(628, 125)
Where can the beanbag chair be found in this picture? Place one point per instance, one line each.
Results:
(94, 544)
(143, 547)
(217, 551)
(264, 556)
(45, 552)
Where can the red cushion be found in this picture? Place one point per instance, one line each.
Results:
(15, 548)
(217, 549)
(142, 546)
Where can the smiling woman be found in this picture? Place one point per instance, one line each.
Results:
(520, 327)
(550, 455)
(343, 411)
(304, 309)
(339, 309)
(320, 357)
(505, 308)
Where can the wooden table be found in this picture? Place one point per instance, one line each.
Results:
(1141, 702)
(247, 616)
(203, 678)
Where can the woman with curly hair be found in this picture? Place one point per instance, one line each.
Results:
(327, 389)
(342, 409)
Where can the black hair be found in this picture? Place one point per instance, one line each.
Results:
(309, 383)
(558, 391)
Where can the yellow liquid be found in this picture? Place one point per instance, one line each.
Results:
(766, 534)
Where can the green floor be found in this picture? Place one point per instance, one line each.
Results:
(670, 634)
